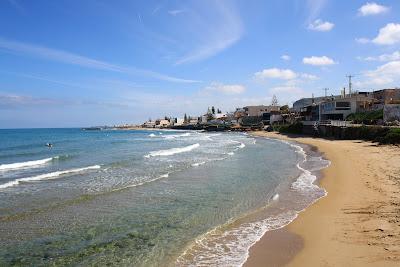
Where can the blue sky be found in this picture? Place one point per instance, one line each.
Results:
(77, 63)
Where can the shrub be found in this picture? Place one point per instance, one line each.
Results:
(370, 117)
(296, 128)
(391, 137)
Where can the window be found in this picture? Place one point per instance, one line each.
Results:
(342, 105)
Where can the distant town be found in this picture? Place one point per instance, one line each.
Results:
(381, 107)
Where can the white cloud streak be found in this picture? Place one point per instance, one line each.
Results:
(217, 35)
(175, 12)
(314, 8)
(384, 57)
(229, 89)
(74, 59)
(285, 57)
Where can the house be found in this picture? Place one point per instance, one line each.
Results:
(149, 124)
(387, 96)
(305, 102)
(179, 122)
(340, 108)
(193, 121)
(259, 110)
(164, 123)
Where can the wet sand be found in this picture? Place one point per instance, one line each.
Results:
(356, 224)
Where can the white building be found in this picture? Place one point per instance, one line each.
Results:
(164, 123)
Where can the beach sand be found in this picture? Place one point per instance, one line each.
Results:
(356, 224)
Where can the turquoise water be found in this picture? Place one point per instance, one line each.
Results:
(145, 198)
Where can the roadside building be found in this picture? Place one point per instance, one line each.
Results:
(259, 110)
(305, 102)
(193, 121)
(149, 124)
(340, 108)
(387, 96)
(164, 123)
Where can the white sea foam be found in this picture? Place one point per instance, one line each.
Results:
(219, 247)
(241, 145)
(172, 151)
(230, 153)
(198, 164)
(26, 164)
(152, 135)
(47, 176)
(143, 182)
(173, 136)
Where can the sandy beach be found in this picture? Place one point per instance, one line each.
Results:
(356, 224)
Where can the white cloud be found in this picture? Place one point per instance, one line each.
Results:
(287, 90)
(308, 76)
(388, 35)
(275, 73)
(220, 29)
(362, 40)
(372, 9)
(384, 75)
(229, 89)
(321, 26)
(385, 57)
(74, 59)
(285, 57)
(175, 12)
(318, 61)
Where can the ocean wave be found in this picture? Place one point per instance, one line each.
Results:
(198, 164)
(219, 247)
(152, 135)
(26, 164)
(172, 151)
(241, 145)
(143, 182)
(173, 136)
(47, 176)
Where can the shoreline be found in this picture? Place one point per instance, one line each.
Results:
(356, 224)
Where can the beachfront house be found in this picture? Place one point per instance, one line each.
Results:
(149, 124)
(259, 110)
(164, 123)
(340, 108)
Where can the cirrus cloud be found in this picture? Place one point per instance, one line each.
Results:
(229, 89)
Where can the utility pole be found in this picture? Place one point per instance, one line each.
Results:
(326, 92)
(350, 76)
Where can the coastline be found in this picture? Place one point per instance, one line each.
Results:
(356, 224)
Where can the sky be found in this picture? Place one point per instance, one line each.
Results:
(80, 63)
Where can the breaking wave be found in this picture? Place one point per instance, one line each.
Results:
(47, 176)
(26, 164)
(172, 151)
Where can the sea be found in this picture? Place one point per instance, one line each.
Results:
(147, 197)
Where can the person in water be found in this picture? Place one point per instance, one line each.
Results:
(50, 145)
